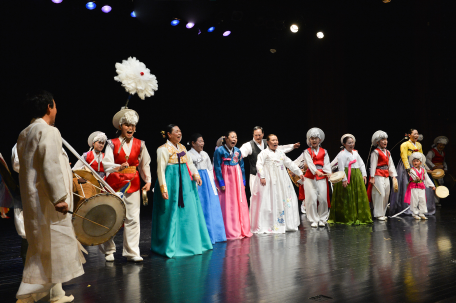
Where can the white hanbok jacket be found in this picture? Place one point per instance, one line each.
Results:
(45, 177)
(274, 207)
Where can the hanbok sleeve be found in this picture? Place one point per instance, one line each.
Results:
(373, 163)
(79, 165)
(427, 181)
(430, 155)
(291, 165)
(404, 157)
(300, 161)
(246, 150)
(309, 161)
(241, 164)
(286, 148)
(362, 166)
(260, 163)
(15, 159)
(162, 163)
(341, 164)
(49, 151)
(391, 168)
(218, 167)
(144, 165)
(327, 165)
(192, 168)
(108, 160)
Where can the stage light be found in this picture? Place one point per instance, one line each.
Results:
(386, 1)
(57, 1)
(211, 29)
(294, 28)
(227, 33)
(190, 25)
(133, 14)
(175, 22)
(320, 35)
(106, 9)
(90, 5)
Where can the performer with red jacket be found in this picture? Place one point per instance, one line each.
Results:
(435, 159)
(94, 156)
(381, 168)
(126, 159)
(315, 182)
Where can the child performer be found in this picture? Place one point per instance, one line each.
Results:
(381, 168)
(315, 182)
(274, 205)
(418, 181)
(435, 159)
(350, 204)
(207, 191)
(230, 175)
(94, 156)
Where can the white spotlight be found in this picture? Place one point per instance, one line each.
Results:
(294, 28)
(320, 35)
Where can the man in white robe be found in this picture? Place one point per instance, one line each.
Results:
(45, 177)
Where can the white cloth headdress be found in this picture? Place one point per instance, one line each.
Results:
(136, 78)
(441, 140)
(125, 115)
(315, 132)
(420, 137)
(417, 155)
(378, 135)
(347, 135)
(96, 136)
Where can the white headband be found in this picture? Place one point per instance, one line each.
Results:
(101, 137)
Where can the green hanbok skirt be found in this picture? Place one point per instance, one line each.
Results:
(350, 205)
(178, 231)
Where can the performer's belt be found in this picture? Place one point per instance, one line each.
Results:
(416, 181)
(128, 170)
(319, 166)
(384, 167)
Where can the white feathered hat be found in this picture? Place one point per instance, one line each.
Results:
(416, 155)
(347, 135)
(96, 136)
(315, 132)
(441, 140)
(125, 115)
(378, 135)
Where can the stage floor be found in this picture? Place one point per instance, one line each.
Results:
(402, 260)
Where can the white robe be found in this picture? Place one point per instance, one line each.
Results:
(274, 207)
(45, 177)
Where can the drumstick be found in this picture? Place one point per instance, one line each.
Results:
(376, 188)
(88, 220)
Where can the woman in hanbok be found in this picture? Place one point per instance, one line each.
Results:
(397, 204)
(349, 204)
(230, 179)
(178, 225)
(207, 191)
(274, 205)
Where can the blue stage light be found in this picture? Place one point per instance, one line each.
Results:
(133, 14)
(175, 22)
(211, 29)
(91, 5)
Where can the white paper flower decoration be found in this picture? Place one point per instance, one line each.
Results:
(136, 78)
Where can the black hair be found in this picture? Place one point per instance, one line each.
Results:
(168, 129)
(257, 128)
(227, 134)
(410, 131)
(36, 103)
(270, 135)
(194, 137)
(344, 141)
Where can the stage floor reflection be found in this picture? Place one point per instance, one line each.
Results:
(401, 260)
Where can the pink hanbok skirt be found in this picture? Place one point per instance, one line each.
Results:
(233, 202)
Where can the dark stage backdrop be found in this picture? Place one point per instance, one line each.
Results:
(380, 66)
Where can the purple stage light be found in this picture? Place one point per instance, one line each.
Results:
(190, 25)
(57, 1)
(106, 9)
(227, 33)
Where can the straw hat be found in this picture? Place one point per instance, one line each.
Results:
(378, 135)
(315, 132)
(120, 114)
(101, 137)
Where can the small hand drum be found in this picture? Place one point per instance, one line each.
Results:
(337, 177)
(438, 173)
(395, 185)
(294, 178)
(105, 209)
(442, 192)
